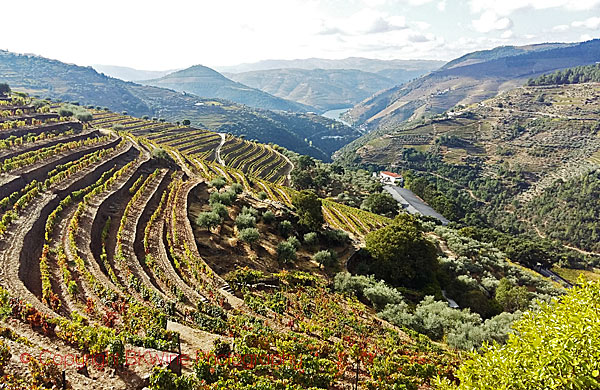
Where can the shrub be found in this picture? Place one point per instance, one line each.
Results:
(285, 228)
(65, 112)
(244, 221)
(262, 195)
(311, 239)
(249, 235)
(225, 198)
(346, 283)
(325, 258)
(220, 209)
(381, 295)
(118, 127)
(161, 154)
(295, 242)
(250, 211)
(208, 220)
(84, 117)
(336, 237)
(268, 216)
(218, 182)
(237, 188)
(309, 210)
(286, 253)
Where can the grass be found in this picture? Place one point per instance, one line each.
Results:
(573, 274)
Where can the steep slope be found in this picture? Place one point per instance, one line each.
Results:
(381, 67)
(469, 79)
(130, 74)
(57, 80)
(206, 82)
(325, 89)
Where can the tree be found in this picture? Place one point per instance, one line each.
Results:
(218, 182)
(244, 221)
(311, 239)
(308, 207)
(512, 297)
(401, 255)
(249, 235)
(268, 216)
(383, 204)
(208, 220)
(305, 162)
(186, 122)
(286, 252)
(285, 228)
(557, 346)
(65, 112)
(325, 258)
(4, 89)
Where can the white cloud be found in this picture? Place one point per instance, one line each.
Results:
(506, 7)
(592, 23)
(561, 28)
(585, 37)
(490, 21)
(507, 34)
(441, 5)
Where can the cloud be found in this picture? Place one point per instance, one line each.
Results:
(441, 5)
(490, 21)
(507, 7)
(507, 34)
(382, 25)
(365, 21)
(561, 28)
(585, 37)
(592, 23)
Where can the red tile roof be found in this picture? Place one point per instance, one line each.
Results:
(392, 174)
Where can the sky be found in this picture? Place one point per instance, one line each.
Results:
(174, 34)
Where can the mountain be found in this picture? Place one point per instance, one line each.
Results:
(469, 79)
(303, 133)
(325, 89)
(130, 74)
(385, 68)
(206, 82)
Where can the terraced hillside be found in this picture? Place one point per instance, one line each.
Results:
(100, 257)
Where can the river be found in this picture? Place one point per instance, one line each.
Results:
(335, 115)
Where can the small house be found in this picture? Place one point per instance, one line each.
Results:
(387, 177)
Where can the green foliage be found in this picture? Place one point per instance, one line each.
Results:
(237, 188)
(244, 221)
(308, 207)
(4, 89)
(511, 297)
(336, 237)
(286, 252)
(576, 75)
(311, 239)
(295, 242)
(249, 235)
(382, 204)
(161, 154)
(401, 255)
(268, 217)
(262, 195)
(209, 220)
(325, 258)
(225, 198)
(220, 209)
(380, 295)
(285, 228)
(218, 182)
(556, 347)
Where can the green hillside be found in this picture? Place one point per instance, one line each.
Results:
(304, 133)
(205, 82)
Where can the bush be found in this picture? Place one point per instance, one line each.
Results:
(346, 283)
(286, 253)
(208, 220)
(268, 216)
(84, 117)
(249, 235)
(65, 112)
(220, 209)
(311, 239)
(250, 211)
(381, 295)
(225, 198)
(244, 221)
(285, 228)
(309, 210)
(295, 242)
(218, 182)
(336, 237)
(557, 344)
(161, 154)
(262, 195)
(325, 258)
(237, 188)
(119, 128)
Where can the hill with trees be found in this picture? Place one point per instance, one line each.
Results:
(304, 133)
(576, 75)
(208, 83)
(469, 79)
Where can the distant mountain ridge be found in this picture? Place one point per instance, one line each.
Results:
(469, 79)
(130, 74)
(325, 89)
(359, 63)
(307, 134)
(206, 82)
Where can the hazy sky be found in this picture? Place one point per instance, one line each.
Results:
(159, 35)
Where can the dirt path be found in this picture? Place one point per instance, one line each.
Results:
(218, 149)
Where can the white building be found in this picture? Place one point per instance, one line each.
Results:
(390, 178)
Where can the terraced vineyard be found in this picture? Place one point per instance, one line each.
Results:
(99, 255)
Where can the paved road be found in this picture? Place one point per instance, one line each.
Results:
(413, 204)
